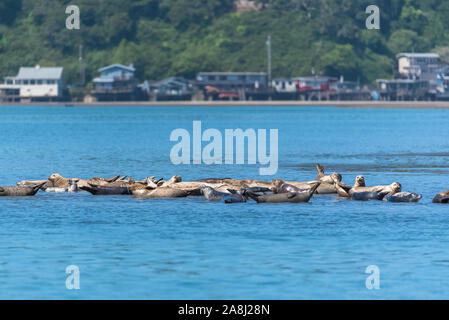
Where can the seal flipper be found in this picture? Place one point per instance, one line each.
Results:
(341, 191)
(291, 195)
(112, 179)
(37, 187)
(320, 171)
(253, 196)
(314, 188)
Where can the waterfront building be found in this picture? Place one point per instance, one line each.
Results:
(416, 65)
(34, 84)
(233, 85)
(115, 83)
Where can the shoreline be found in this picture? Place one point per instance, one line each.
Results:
(335, 104)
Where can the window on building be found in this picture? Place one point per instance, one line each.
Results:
(26, 82)
(33, 82)
(40, 81)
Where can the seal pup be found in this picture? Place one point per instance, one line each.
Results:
(20, 191)
(289, 197)
(404, 197)
(442, 197)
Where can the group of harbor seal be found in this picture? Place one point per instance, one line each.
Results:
(222, 189)
(360, 192)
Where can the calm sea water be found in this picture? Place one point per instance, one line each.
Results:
(191, 249)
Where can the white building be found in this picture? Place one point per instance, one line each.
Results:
(285, 85)
(413, 65)
(35, 84)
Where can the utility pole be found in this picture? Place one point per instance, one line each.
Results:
(81, 64)
(269, 60)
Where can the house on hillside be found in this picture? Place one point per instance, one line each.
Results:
(245, 5)
(115, 83)
(34, 84)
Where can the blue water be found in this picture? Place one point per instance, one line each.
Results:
(191, 249)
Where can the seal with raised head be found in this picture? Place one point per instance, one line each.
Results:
(344, 190)
(322, 177)
(20, 191)
(360, 187)
(390, 190)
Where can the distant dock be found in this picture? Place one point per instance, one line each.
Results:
(337, 104)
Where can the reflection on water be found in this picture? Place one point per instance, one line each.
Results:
(187, 248)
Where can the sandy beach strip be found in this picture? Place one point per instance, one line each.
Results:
(336, 104)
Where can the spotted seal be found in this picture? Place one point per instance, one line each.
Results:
(20, 191)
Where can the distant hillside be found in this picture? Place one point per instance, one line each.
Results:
(180, 37)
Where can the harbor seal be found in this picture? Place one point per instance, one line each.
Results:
(442, 197)
(241, 196)
(106, 191)
(322, 177)
(366, 195)
(280, 186)
(20, 191)
(160, 193)
(360, 187)
(404, 197)
(210, 194)
(71, 189)
(289, 197)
